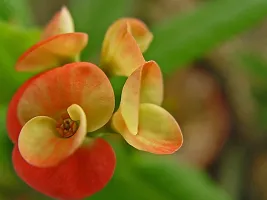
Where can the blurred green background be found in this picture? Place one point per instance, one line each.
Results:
(213, 54)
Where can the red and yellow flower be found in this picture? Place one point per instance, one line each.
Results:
(53, 116)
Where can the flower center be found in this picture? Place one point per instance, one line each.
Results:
(66, 127)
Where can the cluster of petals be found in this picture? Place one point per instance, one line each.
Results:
(53, 116)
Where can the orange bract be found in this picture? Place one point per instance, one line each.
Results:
(52, 52)
(79, 83)
(158, 132)
(123, 45)
(140, 119)
(62, 22)
(53, 93)
(140, 32)
(145, 85)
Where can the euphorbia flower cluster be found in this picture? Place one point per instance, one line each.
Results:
(53, 116)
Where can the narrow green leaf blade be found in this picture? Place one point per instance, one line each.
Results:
(178, 180)
(189, 36)
(144, 176)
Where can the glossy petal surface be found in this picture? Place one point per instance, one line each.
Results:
(52, 52)
(40, 143)
(79, 83)
(145, 85)
(62, 22)
(123, 45)
(158, 132)
(84, 173)
(13, 124)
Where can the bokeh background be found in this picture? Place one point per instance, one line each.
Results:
(213, 54)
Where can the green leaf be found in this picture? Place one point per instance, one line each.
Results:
(144, 176)
(5, 10)
(21, 12)
(178, 180)
(94, 17)
(255, 65)
(189, 36)
(16, 11)
(14, 41)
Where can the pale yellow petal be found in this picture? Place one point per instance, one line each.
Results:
(40, 143)
(62, 22)
(158, 132)
(145, 85)
(123, 45)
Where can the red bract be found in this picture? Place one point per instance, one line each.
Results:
(13, 125)
(50, 115)
(60, 167)
(82, 174)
